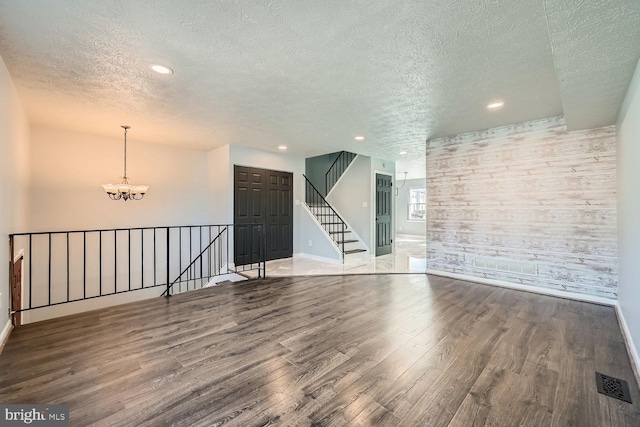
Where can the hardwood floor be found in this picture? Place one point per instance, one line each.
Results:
(354, 350)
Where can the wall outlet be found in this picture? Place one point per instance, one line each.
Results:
(310, 243)
(365, 204)
(297, 202)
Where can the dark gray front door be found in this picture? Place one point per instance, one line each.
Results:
(383, 214)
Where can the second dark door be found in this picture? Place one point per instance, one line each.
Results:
(383, 214)
(262, 196)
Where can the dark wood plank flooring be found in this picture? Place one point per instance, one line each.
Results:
(342, 350)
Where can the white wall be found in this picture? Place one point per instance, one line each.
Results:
(69, 167)
(628, 146)
(219, 179)
(14, 178)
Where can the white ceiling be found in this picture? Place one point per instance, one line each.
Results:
(313, 74)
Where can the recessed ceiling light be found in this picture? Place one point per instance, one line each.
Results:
(161, 69)
(495, 105)
(359, 138)
(282, 147)
(402, 153)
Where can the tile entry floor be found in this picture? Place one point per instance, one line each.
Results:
(409, 257)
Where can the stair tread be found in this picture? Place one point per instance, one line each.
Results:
(332, 223)
(354, 251)
(338, 232)
(347, 241)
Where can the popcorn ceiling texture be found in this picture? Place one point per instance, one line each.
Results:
(531, 193)
(307, 74)
(596, 45)
(313, 74)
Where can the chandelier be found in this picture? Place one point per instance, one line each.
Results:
(124, 190)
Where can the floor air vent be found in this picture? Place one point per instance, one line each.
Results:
(613, 387)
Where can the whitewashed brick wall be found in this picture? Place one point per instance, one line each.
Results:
(529, 203)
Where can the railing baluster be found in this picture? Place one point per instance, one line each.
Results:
(168, 259)
(84, 265)
(115, 261)
(49, 234)
(155, 278)
(100, 273)
(68, 261)
(141, 258)
(30, 270)
(129, 256)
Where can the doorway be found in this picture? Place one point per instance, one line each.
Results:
(262, 196)
(383, 218)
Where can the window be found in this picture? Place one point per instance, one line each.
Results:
(417, 203)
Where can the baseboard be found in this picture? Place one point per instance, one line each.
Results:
(628, 340)
(527, 288)
(4, 336)
(317, 258)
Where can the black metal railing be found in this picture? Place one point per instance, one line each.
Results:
(339, 166)
(326, 215)
(68, 266)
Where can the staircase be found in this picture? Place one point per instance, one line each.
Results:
(333, 224)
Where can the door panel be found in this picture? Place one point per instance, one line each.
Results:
(383, 214)
(248, 209)
(280, 218)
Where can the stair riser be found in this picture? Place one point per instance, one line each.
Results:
(349, 246)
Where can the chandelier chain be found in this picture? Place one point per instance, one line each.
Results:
(125, 151)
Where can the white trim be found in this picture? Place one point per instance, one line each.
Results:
(343, 174)
(231, 277)
(4, 336)
(19, 255)
(527, 288)
(317, 258)
(631, 348)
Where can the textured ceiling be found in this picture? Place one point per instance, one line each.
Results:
(307, 74)
(596, 46)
